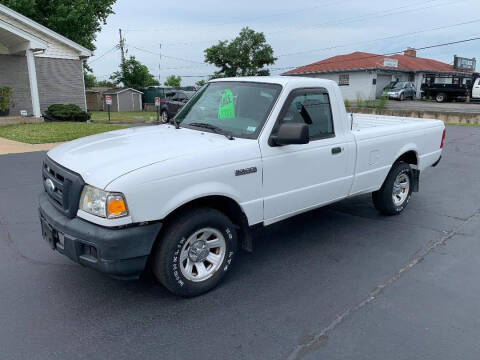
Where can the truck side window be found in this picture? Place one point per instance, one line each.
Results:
(317, 108)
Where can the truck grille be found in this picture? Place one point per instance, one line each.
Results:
(63, 187)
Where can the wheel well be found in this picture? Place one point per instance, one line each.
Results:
(410, 157)
(223, 204)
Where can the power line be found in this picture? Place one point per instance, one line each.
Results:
(380, 55)
(380, 39)
(103, 55)
(373, 15)
(294, 53)
(167, 56)
(289, 12)
(364, 57)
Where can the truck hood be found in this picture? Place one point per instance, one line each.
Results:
(102, 158)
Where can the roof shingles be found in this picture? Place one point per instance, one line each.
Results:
(361, 60)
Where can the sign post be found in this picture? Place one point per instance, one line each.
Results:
(157, 105)
(108, 101)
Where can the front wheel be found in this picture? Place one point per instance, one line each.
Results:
(164, 117)
(195, 252)
(396, 191)
(402, 97)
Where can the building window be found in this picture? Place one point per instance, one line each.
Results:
(343, 80)
(374, 81)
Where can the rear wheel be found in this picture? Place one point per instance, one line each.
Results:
(440, 97)
(195, 252)
(395, 193)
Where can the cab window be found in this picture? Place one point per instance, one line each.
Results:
(313, 109)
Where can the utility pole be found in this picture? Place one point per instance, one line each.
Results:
(122, 45)
(159, 67)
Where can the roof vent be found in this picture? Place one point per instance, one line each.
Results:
(410, 52)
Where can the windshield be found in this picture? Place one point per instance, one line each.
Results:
(239, 108)
(399, 85)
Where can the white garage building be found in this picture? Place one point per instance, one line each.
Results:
(364, 75)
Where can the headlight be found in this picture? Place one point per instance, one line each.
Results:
(103, 203)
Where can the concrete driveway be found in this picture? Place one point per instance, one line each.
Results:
(340, 282)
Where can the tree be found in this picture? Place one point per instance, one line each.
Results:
(78, 20)
(200, 83)
(105, 83)
(133, 74)
(90, 80)
(246, 55)
(173, 81)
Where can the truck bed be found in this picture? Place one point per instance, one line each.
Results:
(380, 140)
(362, 122)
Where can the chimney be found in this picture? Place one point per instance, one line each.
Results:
(410, 52)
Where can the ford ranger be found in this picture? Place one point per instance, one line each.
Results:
(180, 198)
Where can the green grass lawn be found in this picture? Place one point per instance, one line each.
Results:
(120, 117)
(52, 132)
(462, 124)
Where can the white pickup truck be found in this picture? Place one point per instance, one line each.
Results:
(182, 197)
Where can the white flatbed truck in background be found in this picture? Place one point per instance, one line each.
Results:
(242, 152)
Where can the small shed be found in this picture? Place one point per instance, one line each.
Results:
(124, 99)
(95, 98)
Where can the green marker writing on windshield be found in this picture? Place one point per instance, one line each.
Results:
(226, 109)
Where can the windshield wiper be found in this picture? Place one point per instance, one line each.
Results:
(215, 129)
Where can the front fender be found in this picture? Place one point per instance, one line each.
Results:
(197, 191)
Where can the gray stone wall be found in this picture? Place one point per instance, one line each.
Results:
(14, 74)
(60, 81)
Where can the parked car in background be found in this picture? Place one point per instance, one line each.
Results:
(402, 90)
(387, 88)
(175, 100)
(447, 87)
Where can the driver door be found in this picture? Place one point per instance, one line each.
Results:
(300, 177)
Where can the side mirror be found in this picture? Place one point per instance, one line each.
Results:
(289, 134)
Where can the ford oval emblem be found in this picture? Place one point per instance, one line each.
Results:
(50, 185)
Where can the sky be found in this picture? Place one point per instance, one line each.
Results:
(299, 32)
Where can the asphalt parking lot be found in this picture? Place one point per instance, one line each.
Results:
(341, 282)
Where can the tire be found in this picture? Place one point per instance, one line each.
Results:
(402, 97)
(440, 97)
(164, 117)
(183, 248)
(383, 199)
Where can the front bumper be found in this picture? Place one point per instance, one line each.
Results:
(393, 95)
(119, 252)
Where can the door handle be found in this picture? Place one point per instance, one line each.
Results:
(336, 150)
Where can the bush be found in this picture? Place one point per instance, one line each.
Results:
(61, 112)
(359, 100)
(382, 104)
(347, 103)
(5, 95)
